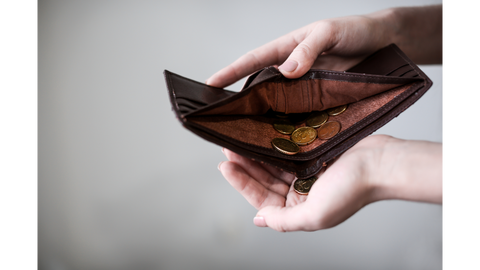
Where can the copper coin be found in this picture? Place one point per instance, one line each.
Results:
(317, 119)
(285, 146)
(328, 130)
(283, 126)
(304, 135)
(337, 110)
(303, 186)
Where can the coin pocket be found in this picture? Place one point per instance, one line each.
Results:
(376, 91)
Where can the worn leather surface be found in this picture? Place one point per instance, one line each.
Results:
(377, 90)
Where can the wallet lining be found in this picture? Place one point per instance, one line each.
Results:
(258, 130)
(299, 97)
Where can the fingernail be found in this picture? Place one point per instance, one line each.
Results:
(206, 82)
(219, 164)
(259, 222)
(288, 66)
(223, 150)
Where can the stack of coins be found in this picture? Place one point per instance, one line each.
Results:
(317, 125)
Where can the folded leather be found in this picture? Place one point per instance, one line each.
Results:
(377, 90)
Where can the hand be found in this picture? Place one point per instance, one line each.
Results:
(340, 43)
(378, 167)
(334, 44)
(339, 192)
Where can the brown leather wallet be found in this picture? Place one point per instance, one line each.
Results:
(376, 90)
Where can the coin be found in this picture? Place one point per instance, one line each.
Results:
(328, 130)
(317, 119)
(337, 110)
(304, 135)
(303, 186)
(285, 146)
(283, 126)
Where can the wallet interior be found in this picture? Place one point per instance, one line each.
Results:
(376, 90)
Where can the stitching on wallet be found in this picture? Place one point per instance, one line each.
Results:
(392, 80)
(360, 124)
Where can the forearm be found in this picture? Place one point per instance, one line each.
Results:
(416, 30)
(410, 170)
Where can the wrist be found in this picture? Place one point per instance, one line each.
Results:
(382, 176)
(386, 25)
(408, 170)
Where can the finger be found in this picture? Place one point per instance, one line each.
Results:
(278, 173)
(286, 219)
(254, 192)
(274, 52)
(257, 172)
(319, 39)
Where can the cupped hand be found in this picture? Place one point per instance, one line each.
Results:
(333, 44)
(341, 190)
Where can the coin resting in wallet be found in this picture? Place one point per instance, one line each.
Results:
(298, 125)
(304, 135)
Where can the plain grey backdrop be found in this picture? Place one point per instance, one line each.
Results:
(123, 186)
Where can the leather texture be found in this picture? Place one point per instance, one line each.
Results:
(377, 90)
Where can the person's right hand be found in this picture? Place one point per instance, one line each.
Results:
(332, 44)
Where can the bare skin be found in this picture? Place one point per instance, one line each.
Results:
(340, 43)
(378, 167)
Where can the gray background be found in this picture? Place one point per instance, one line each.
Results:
(123, 186)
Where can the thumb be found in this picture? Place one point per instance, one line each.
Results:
(304, 55)
(287, 219)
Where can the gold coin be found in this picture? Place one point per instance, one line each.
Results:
(283, 126)
(304, 135)
(317, 119)
(337, 110)
(328, 130)
(285, 146)
(303, 186)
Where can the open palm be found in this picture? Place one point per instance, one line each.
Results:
(340, 191)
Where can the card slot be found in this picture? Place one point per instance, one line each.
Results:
(376, 64)
(184, 110)
(186, 107)
(192, 103)
(400, 70)
(184, 88)
(409, 74)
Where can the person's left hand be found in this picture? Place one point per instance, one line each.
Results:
(340, 191)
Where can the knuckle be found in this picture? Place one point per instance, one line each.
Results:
(304, 49)
(329, 30)
(327, 26)
(252, 58)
